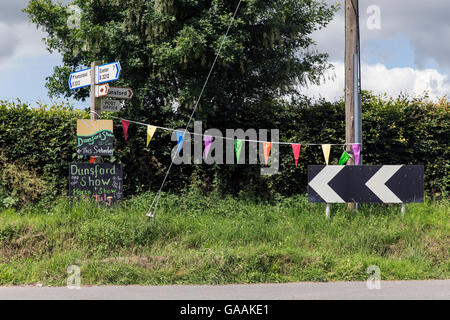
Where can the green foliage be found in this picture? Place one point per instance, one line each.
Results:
(19, 185)
(38, 142)
(166, 49)
(395, 131)
(212, 239)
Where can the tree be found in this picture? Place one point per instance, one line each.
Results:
(166, 48)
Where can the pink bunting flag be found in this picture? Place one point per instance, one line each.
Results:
(125, 125)
(208, 140)
(296, 149)
(356, 152)
(267, 146)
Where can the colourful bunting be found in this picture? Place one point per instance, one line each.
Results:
(180, 139)
(344, 158)
(326, 152)
(267, 146)
(356, 152)
(125, 125)
(296, 149)
(208, 140)
(237, 148)
(150, 132)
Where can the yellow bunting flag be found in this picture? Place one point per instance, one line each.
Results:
(150, 132)
(326, 152)
(267, 146)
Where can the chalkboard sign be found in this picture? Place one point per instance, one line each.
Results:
(95, 137)
(99, 181)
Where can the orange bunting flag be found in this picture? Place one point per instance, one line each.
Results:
(267, 146)
(296, 149)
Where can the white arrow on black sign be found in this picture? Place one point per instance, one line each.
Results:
(378, 184)
(385, 184)
(320, 184)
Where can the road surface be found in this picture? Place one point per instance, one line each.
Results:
(410, 290)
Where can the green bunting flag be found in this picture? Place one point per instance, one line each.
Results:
(344, 158)
(237, 148)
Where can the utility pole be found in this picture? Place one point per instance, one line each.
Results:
(95, 102)
(351, 50)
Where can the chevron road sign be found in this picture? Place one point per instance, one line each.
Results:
(361, 184)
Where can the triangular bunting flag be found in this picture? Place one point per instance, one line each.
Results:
(208, 140)
(237, 148)
(326, 152)
(150, 132)
(296, 149)
(125, 125)
(344, 158)
(356, 152)
(267, 146)
(180, 139)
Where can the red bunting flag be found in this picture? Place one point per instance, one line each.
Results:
(125, 125)
(267, 146)
(296, 149)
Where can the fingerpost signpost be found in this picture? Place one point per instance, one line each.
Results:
(100, 181)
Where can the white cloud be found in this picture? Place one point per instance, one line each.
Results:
(18, 42)
(425, 24)
(379, 79)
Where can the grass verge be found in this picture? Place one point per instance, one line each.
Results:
(212, 240)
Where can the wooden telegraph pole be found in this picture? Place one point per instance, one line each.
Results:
(351, 49)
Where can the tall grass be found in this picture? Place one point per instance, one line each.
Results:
(209, 239)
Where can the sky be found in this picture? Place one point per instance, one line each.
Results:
(405, 48)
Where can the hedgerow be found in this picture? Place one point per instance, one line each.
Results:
(395, 131)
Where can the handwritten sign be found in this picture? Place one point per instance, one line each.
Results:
(102, 182)
(95, 137)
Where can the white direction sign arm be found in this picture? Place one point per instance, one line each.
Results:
(107, 72)
(80, 79)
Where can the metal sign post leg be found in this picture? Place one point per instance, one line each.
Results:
(327, 211)
(403, 210)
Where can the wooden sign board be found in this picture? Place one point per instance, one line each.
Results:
(101, 182)
(95, 137)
